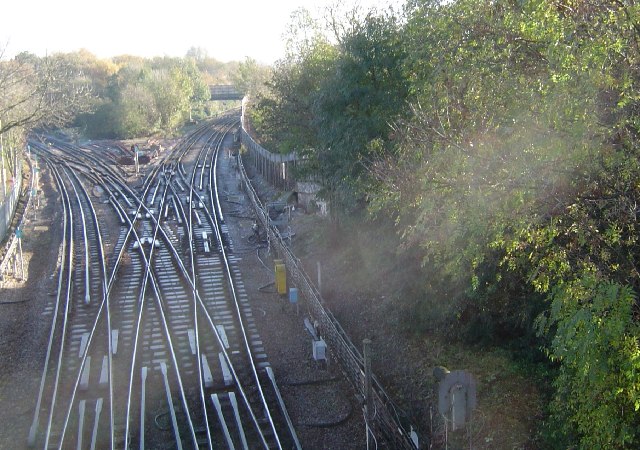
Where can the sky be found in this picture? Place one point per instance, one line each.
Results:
(227, 30)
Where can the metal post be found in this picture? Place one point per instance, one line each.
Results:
(366, 344)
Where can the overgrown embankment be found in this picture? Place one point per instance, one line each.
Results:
(500, 140)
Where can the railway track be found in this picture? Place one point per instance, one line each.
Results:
(152, 341)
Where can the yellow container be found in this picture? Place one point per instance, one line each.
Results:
(281, 279)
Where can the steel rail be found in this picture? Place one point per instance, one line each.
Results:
(149, 275)
(105, 302)
(65, 244)
(228, 360)
(56, 383)
(114, 184)
(97, 318)
(69, 216)
(195, 303)
(158, 296)
(214, 190)
(216, 227)
(211, 322)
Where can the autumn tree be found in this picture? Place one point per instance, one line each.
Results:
(37, 92)
(148, 96)
(40, 91)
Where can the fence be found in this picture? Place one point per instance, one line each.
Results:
(7, 211)
(9, 203)
(386, 420)
(274, 167)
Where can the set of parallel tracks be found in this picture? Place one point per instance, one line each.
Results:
(152, 341)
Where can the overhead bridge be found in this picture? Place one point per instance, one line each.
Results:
(225, 92)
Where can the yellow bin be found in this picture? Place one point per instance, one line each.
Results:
(281, 279)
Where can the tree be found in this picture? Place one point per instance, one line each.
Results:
(511, 169)
(595, 340)
(40, 92)
(147, 96)
(517, 176)
(284, 115)
(37, 92)
(251, 77)
(364, 92)
(198, 54)
(332, 102)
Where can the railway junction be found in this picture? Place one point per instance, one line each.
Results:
(153, 318)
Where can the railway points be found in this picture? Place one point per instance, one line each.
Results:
(154, 335)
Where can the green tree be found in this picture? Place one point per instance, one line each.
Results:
(283, 113)
(251, 77)
(365, 91)
(517, 175)
(332, 103)
(511, 170)
(595, 340)
(148, 96)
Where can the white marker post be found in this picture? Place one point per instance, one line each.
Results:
(135, 153)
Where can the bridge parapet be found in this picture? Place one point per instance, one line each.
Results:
(224, 92)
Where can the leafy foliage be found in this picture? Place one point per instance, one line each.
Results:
(41, 91)
(147, 96)
(332, 103)
(37, 92)
(596, 342)
(502, 138)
